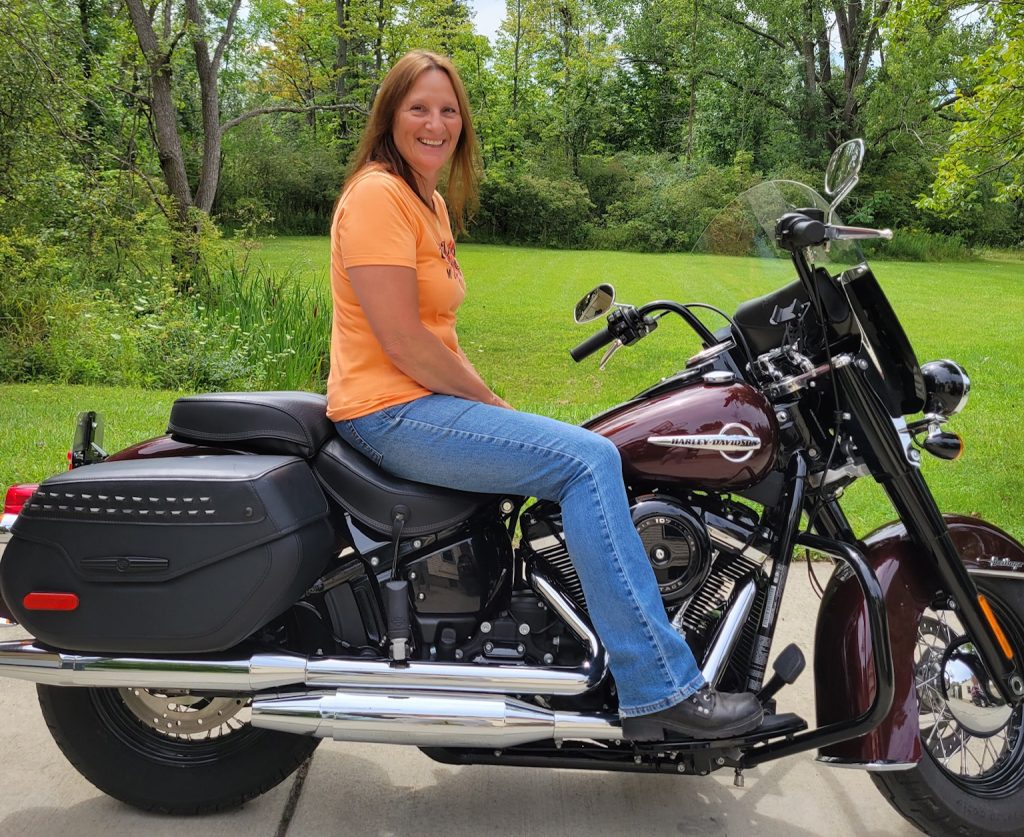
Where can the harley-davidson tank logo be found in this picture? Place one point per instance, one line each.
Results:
(735, 442)
(996, 563)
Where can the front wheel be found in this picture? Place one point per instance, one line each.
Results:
(170, 752)
(971, 774)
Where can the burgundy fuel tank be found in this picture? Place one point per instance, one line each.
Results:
(704, 435)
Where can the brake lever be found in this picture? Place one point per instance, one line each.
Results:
(609, 352)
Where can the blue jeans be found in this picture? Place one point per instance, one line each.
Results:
(452, 442)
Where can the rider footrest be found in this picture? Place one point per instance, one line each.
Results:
(773, 726)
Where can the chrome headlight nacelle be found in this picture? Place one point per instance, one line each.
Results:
(948, 387)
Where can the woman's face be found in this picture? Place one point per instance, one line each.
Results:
(427, 125)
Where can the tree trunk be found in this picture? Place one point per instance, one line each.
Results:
(341, 13)
(165, 119)
(207, 67)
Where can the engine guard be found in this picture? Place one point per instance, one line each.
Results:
(843, 670)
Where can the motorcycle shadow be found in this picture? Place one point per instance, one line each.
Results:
(388, 790)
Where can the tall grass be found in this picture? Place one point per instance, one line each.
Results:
(279, 325)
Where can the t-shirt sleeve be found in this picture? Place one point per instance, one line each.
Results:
(374, 225)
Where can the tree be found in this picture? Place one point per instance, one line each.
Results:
(988, 142)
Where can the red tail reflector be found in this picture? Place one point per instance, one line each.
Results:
(50, 601)
(17, 496)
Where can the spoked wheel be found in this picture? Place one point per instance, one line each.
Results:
(170, 751)
(970, 778)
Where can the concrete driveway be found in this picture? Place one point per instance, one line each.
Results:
(357, 789)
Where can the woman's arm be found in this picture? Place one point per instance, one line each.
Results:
(389, 298)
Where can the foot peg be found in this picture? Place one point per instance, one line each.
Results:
(788, 666)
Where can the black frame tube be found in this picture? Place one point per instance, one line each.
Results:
(881, 654)
(792, 508)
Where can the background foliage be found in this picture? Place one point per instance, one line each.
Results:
(134, 134)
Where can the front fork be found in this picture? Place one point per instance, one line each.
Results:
(888, 453)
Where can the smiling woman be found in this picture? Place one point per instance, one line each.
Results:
(404, 394)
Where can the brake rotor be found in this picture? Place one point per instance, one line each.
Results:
(181, 713)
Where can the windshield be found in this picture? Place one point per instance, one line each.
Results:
(745, 229)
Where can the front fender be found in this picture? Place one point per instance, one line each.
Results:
(843, 670)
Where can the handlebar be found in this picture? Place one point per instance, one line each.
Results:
(592, 344)
(807, 228)
(837, 232)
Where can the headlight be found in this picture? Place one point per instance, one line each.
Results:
(947, 386)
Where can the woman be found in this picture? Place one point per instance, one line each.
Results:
(402, 392)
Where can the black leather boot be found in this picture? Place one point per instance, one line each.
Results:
(705, 714)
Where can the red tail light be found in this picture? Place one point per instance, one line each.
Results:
(17, 496)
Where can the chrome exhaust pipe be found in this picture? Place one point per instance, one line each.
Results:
(24, 661)
(424, 719)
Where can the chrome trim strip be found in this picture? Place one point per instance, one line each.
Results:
(1018, 576)
(729, 634)
(872, 766)
(724, 540)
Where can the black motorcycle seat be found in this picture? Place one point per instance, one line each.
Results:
(289, 423)
(370, 494)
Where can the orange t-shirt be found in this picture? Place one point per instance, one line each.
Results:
(381, 221)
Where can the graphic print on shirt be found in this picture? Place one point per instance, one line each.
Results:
(447, 249)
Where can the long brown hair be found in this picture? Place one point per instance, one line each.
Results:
(377, 144)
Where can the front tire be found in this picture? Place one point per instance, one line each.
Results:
(966, 784)
(169, 753)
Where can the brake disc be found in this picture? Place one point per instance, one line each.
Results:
(181, 713)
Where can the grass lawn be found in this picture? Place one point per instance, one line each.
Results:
(516, 325)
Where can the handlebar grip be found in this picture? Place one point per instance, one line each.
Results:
(591, 344)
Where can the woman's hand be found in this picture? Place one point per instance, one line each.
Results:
(389, 298)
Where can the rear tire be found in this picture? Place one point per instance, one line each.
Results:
(965, 785)
(171, 754)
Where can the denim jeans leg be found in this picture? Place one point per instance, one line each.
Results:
(447, 441)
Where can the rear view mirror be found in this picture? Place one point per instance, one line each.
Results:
(843, 172)
(595, 304)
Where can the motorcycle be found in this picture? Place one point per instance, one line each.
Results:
(210, 604)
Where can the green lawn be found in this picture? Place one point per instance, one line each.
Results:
(516, 325)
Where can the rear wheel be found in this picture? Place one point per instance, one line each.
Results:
(971, 775)
(169, 751)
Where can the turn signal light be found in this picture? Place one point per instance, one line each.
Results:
(1004, 643)
(50, 601)
(17, 496)
(944, 445)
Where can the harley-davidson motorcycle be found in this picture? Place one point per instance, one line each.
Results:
(208, 605)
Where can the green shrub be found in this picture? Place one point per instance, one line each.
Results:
(668, 204)
(529, 209)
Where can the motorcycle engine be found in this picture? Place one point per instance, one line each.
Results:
(674, 538)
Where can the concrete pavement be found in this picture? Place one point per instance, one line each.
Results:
(357, 789)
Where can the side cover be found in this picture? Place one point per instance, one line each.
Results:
(843, 671)
(170, 556)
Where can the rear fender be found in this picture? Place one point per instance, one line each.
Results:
(843, 670)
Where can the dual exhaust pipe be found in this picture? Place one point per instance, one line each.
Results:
(426, 719)
(427, 704)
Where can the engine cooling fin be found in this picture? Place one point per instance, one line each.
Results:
(708, 602)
